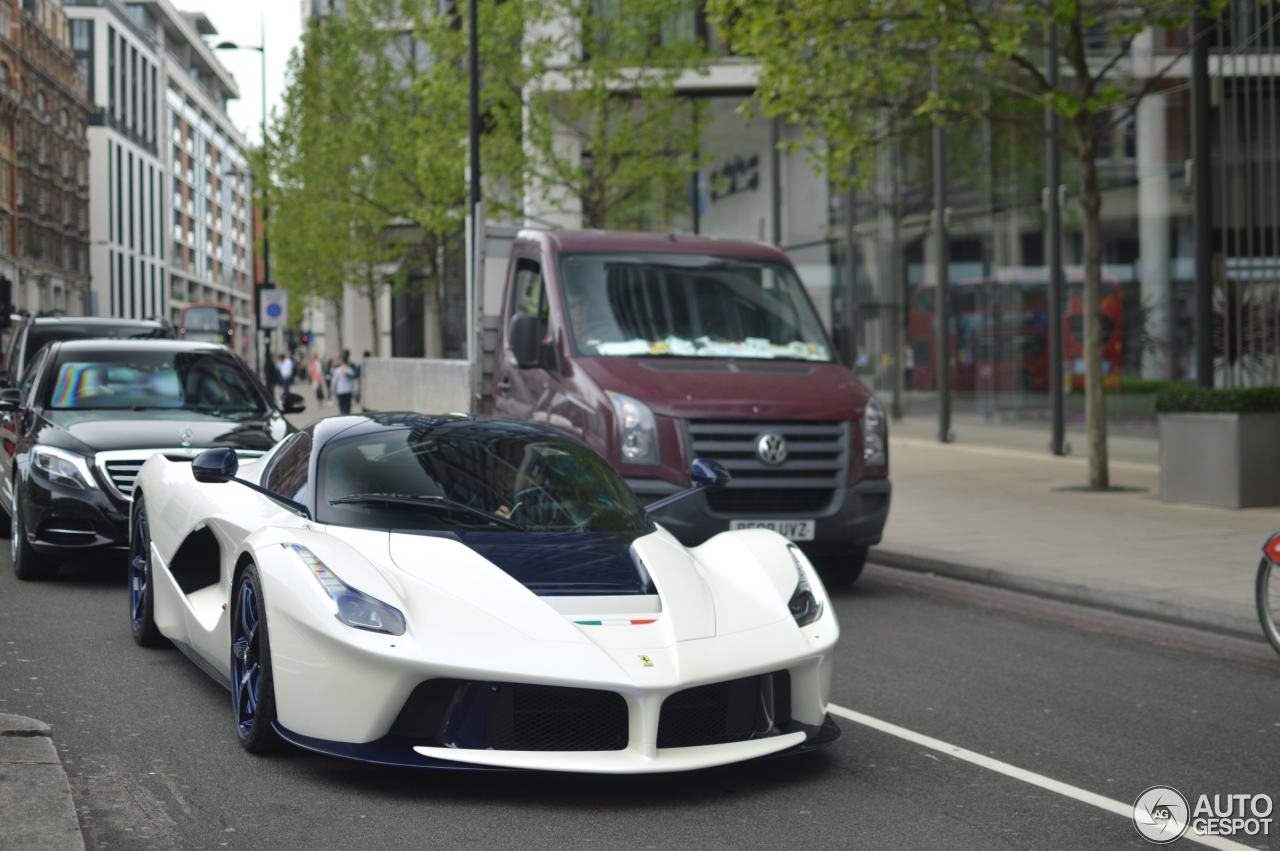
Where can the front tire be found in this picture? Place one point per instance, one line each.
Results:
(252, 689)
(1268, 596)
(142, 619)
(840, 569)
(28, 564)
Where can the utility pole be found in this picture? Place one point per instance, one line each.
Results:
(1201, 206)
(473, 72)
(1053, 250)
(942, 310)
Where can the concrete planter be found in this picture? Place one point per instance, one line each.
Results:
(1229, 460)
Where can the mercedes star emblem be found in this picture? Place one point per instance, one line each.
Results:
(186, 434)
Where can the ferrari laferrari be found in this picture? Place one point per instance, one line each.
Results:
(463, 592)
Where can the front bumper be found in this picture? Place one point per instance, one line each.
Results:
(854, 517)
(66, 524)
(401, 751)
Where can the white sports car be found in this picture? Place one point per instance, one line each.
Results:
(473, 593)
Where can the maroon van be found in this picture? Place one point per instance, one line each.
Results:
(660, 349)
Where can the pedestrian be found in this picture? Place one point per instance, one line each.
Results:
(316, 373)
(328, 379)
(344, 383)
(270, 375)
(286, 372)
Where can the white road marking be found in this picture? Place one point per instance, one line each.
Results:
(1083, 795)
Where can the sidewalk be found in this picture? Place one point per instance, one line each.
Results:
(36, 810)
(990, 508)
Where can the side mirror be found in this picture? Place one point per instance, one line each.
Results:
(10, 398)
(215, 465)
(548, 357)
(292, 403)
(524, 337)
(709, 474)
(705, 476)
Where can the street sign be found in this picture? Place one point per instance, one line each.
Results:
(274, 304)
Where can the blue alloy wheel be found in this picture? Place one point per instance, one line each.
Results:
(252, 695)
(141, 602)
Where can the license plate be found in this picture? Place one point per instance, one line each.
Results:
(795, 530)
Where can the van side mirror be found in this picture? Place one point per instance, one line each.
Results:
(215, 465)
(524, 337)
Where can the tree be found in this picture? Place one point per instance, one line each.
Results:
(830, 65)
(606, 132)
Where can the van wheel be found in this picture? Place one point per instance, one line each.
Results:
(840, 569)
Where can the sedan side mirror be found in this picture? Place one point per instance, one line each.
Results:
(524, 338)
(10, 399)
(292, 403)
(704, 474)
(215, 465)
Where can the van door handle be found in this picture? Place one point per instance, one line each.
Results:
(504, 385)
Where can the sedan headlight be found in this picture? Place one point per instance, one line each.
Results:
(875, 435)
(61, 467)
(804, 604)
(637, 430)
(354, 608)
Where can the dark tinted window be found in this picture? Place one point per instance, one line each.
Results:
(29, 377)
(53, 332)
(288, 475)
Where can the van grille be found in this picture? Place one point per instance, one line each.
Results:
(817, 453)
(737, 501)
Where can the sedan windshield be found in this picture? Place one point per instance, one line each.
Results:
(205, 381)
(498, 478)
(681, 305)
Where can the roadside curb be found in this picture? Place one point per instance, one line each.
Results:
(36, 808)
(1069, 593)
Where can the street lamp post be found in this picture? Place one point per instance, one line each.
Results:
(266, 207)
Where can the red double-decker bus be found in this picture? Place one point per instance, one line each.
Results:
(207, 323)
(1000, 332)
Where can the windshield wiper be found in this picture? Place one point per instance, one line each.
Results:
(434, 502)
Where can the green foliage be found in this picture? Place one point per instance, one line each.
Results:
(605, 125)
(1187, 398)
(369, 154)
(1146, 386)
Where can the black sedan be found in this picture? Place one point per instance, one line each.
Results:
(88, 413)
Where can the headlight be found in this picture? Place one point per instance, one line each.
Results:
(804, 604)
(875, 435)
(62, 467)
(354, 608)
(637, 431)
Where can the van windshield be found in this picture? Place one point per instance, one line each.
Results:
(689, 305)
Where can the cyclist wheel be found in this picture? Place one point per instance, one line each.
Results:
(1268, 592)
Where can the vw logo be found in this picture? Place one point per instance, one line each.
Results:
(772, 449)
(185, 436)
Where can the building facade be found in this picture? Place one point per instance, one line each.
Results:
(170, 212)
(44, 180)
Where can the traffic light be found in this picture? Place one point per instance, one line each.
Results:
(306, 338)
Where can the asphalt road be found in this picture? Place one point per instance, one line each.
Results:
(1105, 703)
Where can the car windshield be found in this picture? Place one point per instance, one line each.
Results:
(205, 381)
(682, 305)
(497, 478)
